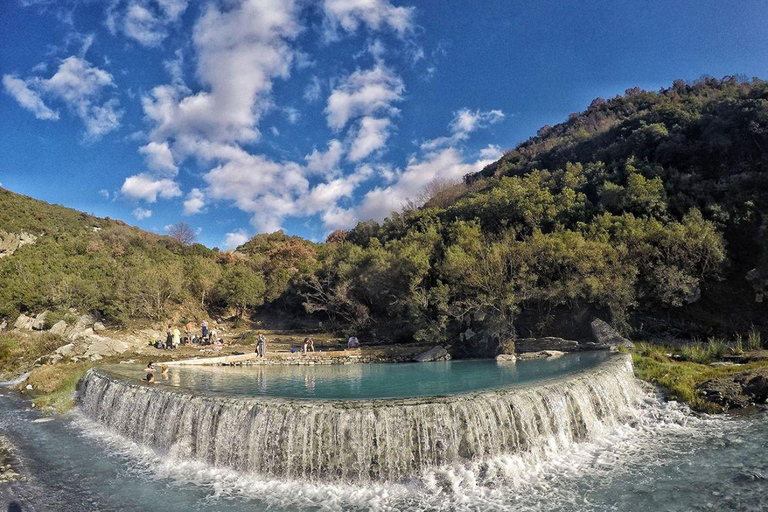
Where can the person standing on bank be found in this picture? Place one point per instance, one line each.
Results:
(261, 346)
(204, 327)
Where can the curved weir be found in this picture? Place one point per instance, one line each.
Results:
(364, 440)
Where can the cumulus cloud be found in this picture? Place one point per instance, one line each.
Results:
(148, 188)
(142, 213)
(239, 53)
(349, 15)
(325, 162)
(195, 202)
(28, 98)
(80, 86)
(370, 136)
(159, 157)
(235, 239)
(364, 93)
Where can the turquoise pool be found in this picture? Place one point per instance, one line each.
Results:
(367, 381)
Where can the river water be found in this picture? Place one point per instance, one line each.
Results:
(664, 460)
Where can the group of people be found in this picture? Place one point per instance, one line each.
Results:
(173, 337)
(150, 378)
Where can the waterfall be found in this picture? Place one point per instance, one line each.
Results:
(363, 440)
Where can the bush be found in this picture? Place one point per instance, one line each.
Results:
(754, 339)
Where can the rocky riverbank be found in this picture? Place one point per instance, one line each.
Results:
(737, 391)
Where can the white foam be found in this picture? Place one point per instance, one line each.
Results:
(547, 479)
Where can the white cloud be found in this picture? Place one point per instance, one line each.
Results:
(159, 158)
(235, 239)
(313, 90)
(349, 15)
(364, 93)
(28, 98)
(80, 86)
(258, 185)
(195, 202)
(149, 188)
(144, 21)
(491, 152)
(239, 52)
(142, 213)
(370, 136)
(464, 122)
(104, 193)
(325, 162)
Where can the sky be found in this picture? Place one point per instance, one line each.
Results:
(247, 116)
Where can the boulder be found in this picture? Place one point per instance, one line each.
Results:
(547, 343)
(10, 242)
(24, 322)
(59, 328)
(544, 354)
(437, 353)
(101, 346)
(507, 346)
(506, 358)
(604, 334)
(83, 326)
(98, 327)
(39, 323)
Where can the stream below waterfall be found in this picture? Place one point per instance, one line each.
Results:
(666, 460)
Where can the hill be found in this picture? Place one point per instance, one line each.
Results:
(648, 210)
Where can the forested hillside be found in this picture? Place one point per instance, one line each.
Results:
(648, 209)
(125, 274)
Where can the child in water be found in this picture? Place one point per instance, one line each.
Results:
(150, 378)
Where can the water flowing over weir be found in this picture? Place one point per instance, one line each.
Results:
(364, 440)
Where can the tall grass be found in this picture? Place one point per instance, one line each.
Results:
(696, 353)
(754, 339)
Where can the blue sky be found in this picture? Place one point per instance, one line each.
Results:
(244, 116)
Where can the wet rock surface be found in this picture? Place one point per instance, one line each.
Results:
(737, 391)
(437, 353)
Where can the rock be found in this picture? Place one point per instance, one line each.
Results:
(506, 358)
(82, 327)
(98, 327)
(101, 346)
(542, 354)
(67, 350)
(10, 242)
(547, 343)
(721, 363)
(59, 328)
(437, 353)
(737, 391)
(606, 335)
(39, 323)
(24, 322)
(507, 346)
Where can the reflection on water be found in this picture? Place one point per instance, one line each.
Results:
(368, 381)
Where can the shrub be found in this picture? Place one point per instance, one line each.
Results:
(754, 339)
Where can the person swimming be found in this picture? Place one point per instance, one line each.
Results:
(151, 366)
(150, 378)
